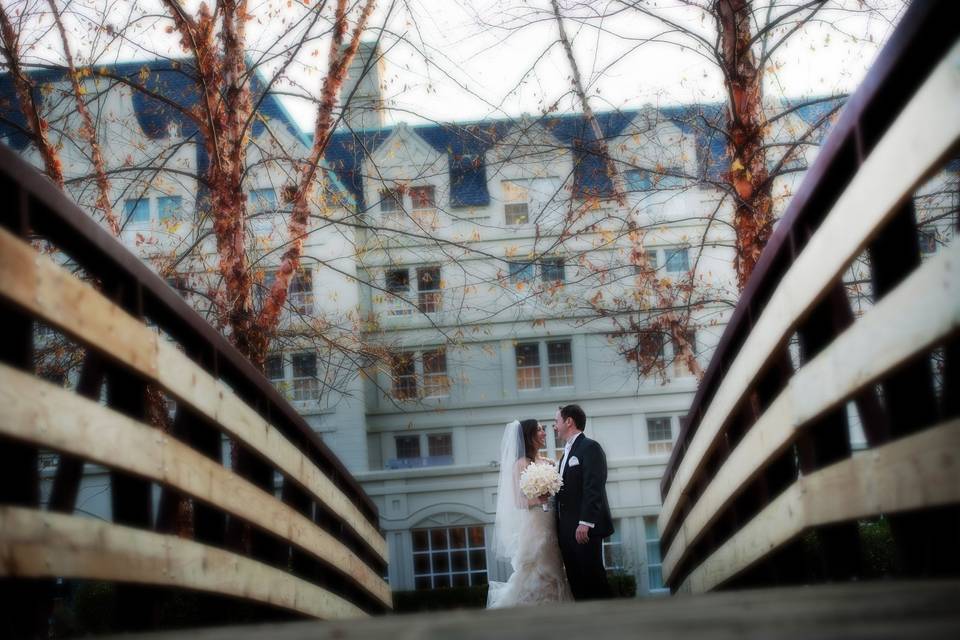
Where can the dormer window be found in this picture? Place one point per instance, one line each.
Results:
(516, 203)
(645, 180)
(391, 201)
(423, 199)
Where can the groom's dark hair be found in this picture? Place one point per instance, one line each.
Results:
(574, 411)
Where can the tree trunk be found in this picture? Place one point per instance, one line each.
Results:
(747, 176)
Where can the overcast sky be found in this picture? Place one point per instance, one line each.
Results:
(472, 59)
(478, 68)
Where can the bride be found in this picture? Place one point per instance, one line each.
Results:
(523, 532)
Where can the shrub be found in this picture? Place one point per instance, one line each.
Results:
(440, 599)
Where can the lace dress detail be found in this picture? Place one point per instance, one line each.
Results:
(538, 575)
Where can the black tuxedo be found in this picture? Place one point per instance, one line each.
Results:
(583, 497)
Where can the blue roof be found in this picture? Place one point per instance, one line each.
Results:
(465, 144)
(171, 81)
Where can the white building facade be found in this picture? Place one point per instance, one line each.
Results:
(468, 253)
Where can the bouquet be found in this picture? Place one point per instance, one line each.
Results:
(540, 479)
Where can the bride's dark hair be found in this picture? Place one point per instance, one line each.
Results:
(529, 430)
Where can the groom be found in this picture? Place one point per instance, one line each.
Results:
(583, 515)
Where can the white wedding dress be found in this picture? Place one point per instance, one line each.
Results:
(527, 537)
(538, 575)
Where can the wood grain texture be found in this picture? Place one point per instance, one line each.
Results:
(913, 147)
(883, 339)
(42, 413)
(859, 611)
(45, 289)
(35, 544)
(916, 472)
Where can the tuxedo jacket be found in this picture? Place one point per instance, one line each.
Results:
(584, 492)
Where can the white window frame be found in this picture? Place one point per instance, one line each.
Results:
(436, 384)
(660, 445)
(304, 388)
(651, 566)
(471, 550)
(516, 202)
(534, 368)
(429, 300)
(545, 370)
(614, 546)
(565, 377)
(397, 299)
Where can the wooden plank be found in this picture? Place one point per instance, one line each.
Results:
(38, 412)
(35, 544)
(877, 343)
(861, 611)
(912, 148)
(52, 294)
(916, 472)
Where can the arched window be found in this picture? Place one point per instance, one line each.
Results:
(449, 550)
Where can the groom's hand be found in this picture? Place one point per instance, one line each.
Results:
(583, 534)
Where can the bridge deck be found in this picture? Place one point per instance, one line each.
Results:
(853, 610)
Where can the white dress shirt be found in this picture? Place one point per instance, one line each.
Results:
(563, 463)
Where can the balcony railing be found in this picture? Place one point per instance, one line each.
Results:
(762, 487)
(419, 462)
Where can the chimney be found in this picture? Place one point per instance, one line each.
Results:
(364, 109)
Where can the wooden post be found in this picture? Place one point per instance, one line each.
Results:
(130, 497)
(25, 602)
(926, 542)
(828, 439)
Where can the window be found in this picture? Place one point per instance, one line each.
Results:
(273, 369)
(435, 381)
(522, 272)
(180, 283)
(613, 550)
(644, 180)
(137, 210)
(170, 208)
(654, 563)
(440, 445)
(299, 290)
(263, 204)
(677, 260)
(560, 364)
(391, 201)
(430, 366)
(263, 201)
(404, 372)
(306, 387)
(408, 447)
(516, 207)
(650, 346)
(398, 285)
(429, 297)
(928, 241)
(300, 293)
(449, 557)
(659, 435)
(637, 180)
(552, 270)
(528, 365)
(422, 198)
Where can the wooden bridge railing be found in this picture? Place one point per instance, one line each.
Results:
(219, 526)
(762, 487)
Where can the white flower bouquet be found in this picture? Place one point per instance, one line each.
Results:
(540, 479)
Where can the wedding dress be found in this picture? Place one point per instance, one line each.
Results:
(525, 536)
